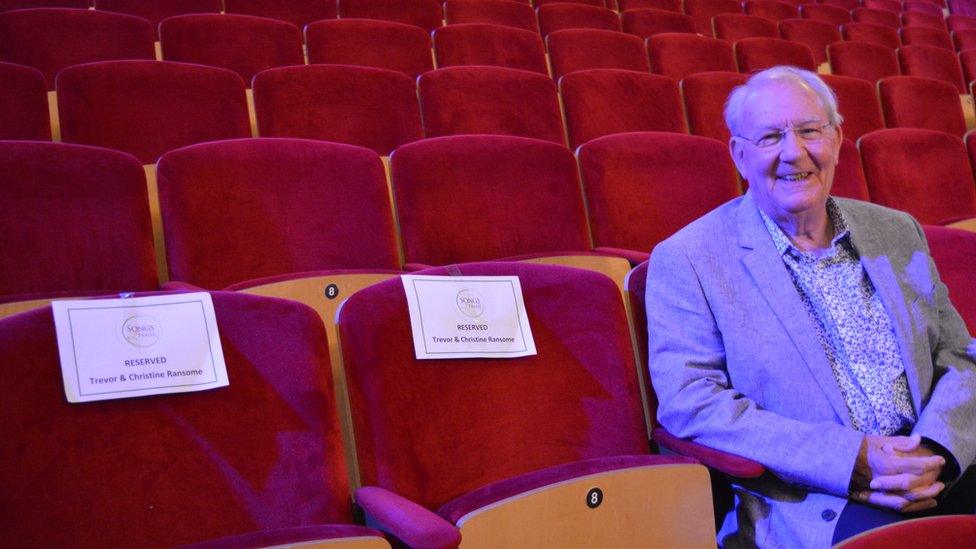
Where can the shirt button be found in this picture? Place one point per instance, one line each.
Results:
(828, 515)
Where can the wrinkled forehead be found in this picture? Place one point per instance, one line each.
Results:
(779, 103)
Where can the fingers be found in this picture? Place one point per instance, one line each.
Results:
(886, 465)
(894, 501)
(901, 444)
(903, 481)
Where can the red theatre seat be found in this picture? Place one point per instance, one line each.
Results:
(296, 12)
(916, 102)
(648, 22)
(370, 43)
(490, 100)
(157, 10)
(945, 531)
(262, 454)
(482, 44)
(23, 103)
(559, 16)
(849, 178)
(678, 55)
(825, 14)
(285, 206)
(964, 40)
(844, 4)
(242, 43)
(858, 103)
(923, 172)
(925, 36)
(601, 102)
(703, 10)
(580, 49)
(772, 10)
(372, 108)
(871, 33)
(893, 6)
(146, 108)
(954, 252)
(870, 62)
(667, 5)
(760, 53)
(920, 19)
(704, 95)
(735, 26)
(815, 35)
(496, 12)
(7, 5)
(76, 219)
(50, 39)
(426, 14)
(932, 62)
(961, 22)
(961, 7)
(884, 18)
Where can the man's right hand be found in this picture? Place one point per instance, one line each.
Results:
(897, 473)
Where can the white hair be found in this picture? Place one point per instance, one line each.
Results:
(803, 78)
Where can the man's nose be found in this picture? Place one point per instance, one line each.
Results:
(792, 147)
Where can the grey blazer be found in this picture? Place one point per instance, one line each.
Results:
(736, 363)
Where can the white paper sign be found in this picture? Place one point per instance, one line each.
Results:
(122, 348)
(468, 316)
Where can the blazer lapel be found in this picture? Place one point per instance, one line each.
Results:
(770, 274)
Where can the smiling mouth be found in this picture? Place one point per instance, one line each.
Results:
(795, 176)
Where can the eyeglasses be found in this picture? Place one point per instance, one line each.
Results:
(774, 138)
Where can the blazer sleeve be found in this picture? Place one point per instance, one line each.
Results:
(698, 401)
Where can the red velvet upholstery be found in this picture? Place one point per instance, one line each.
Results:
(877, 17)
(7, 5)
(678, 55)
(815, 35)
(482, 44)
(74, 218)
(945, 531)
(667, 5)
(435, 430)
(149, 107)
(597, 3)
(648, 22)
(476, 197)
(490, 100)
(242, 43)
(923, 172)
(932, 62)
(849, 179)
(426, 14)
(50, 39)
(771, 9)
(261, 454)
(967, 59)
(825, 14)
(370, 43)
(871, 33)
(559, 16)
(249, 208)
(23, 103)
(961, 7)
(858, 103)
(288, 537)
(580, 49)
(704, 95)
(845, 4)
(753, 54)
(495, 12)
(372, 108)
(892, 6)
(296, 12)
(735, 26)
(601, 102)
(954, 252)
(915, 102)
(925, 36)
(964, 40)
(923, 6)
(928, 20)
(863, 60)
(703, 10)
(961, 22)
(157, 10)
(636, 284)
(642, 187)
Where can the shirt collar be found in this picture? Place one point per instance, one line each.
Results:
(783, 243)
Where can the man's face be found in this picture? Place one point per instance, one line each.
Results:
(785, 151)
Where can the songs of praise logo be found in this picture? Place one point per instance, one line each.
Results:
(141, 330)
(470, 303)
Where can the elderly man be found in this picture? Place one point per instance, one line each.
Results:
(811, 334)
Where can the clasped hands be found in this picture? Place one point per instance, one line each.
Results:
(897, 473)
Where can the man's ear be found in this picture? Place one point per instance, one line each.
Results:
(736, 151)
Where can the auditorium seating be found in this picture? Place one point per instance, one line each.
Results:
(753, 54)
(678, 55)
(773, 10)
(870, 62)
(849, 178)
(579, 49)
(923, 6)
(891, 6)
(858, 103)
(370, 43)
(146, 108)
(876, 17)
(559, 16)
(484, 44)
(916, 102)
(845, 4)
(642, 187)
(703, 10)
(871, 33)
(8, 5)
(920, 19)
(50, 39)
(648, 22)
(23, 103)
(76, 219)
(262, 454)
(925, 36)
(954, 252)
(157, 10)
(426, 14)
(961, 22)
(815, 35)
(540, 3)
(704, 96)
(961, 8)
(938, 531)
(825, 14)
(496, 12)
(600, 102)
(735, 26)
(964, 40)
(667, 5)
(932, 62)
(517, 486)
(242, 43)
(490, 100)
(967, 59)
(296, 12)
(923, 172)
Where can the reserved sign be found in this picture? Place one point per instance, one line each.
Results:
(467, 316)
(122, 348)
